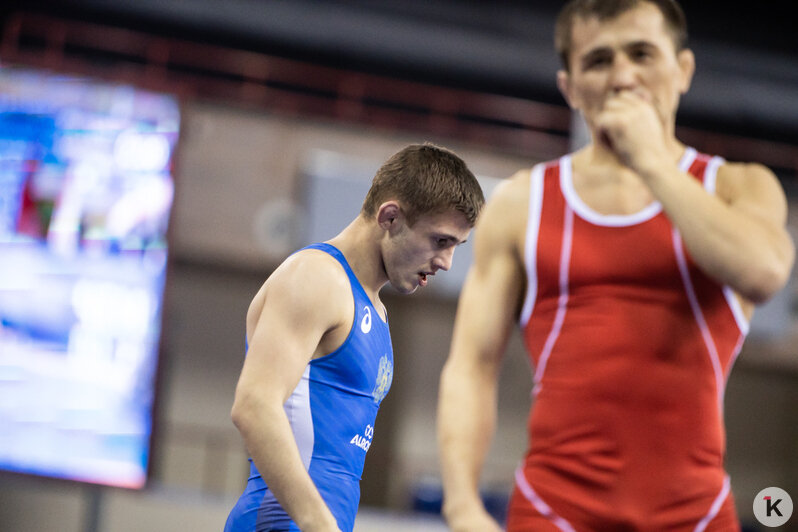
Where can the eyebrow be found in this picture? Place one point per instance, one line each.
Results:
(602, 51)
(451, 238)
(641, 44)
(595, 53)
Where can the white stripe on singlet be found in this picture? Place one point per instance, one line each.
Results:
(716, 504)
(297, 409)
(710, 180)
(562, 302)
(588, 214)
(698, 314)
(540, 505)
(531, 241)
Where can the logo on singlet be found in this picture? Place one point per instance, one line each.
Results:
(365, 324)
(772, 507)
(364, 441)
(384, 378)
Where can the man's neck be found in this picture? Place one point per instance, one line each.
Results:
(360, 244)
(599, 157)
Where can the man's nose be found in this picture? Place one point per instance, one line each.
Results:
(623, 75)
(443, 261)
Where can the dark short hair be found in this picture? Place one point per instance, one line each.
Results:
(426, 179)
(671, 11)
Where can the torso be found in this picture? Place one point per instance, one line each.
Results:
(340, 294)
(631, 346)
(332, 411)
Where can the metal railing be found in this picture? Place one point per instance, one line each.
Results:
(287, 87)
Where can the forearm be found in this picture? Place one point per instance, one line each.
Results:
(271, 444)
(466, 424)
(749, 254)
(736, 235)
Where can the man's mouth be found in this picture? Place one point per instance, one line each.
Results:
(422, 278)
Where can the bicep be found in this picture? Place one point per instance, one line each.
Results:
(289, 327)
(753, 191)
(278, 352)
(759, 207)
(490, 298)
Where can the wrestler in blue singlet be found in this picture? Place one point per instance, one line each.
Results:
(332, 413)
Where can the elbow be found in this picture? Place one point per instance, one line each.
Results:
(238, 414)
(769, 275)
(765, 284)
(244, 410)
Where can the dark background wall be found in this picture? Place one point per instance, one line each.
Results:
(747, 81)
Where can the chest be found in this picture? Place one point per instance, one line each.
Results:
(603, 233)
(363, 364)
(583, 254)
(612, 197)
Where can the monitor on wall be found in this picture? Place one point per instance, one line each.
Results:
(86, 190)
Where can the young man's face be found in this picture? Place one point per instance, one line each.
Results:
(633, 52)
(416, 252)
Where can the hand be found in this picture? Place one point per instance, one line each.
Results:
(630, 127)
(476, 519)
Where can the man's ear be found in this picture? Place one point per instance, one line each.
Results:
(564, 84)
(390, 215)
(686, 60)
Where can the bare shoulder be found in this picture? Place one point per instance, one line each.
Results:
(738, 172)
(309, 283)
(500, 230)
(514, 189)
(506, 208)
(752, 185)
(491, 296)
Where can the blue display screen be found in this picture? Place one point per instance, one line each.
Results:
(86, 190)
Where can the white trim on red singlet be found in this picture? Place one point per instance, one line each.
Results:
(611, 220)
(737, 310)
(716, 504)
(562, 301)
(710, 180)
(531, 241)
(711, 174)
(576, 203)
(540, 505)
(698, 314)
(735, 353)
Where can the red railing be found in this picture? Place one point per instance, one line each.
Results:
(195, 70)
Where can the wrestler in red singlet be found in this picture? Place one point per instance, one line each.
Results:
(631, 346)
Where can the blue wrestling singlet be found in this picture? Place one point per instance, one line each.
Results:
(332, 413)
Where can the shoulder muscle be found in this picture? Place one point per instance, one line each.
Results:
(306, 296)
(501, 225)
(754, 189)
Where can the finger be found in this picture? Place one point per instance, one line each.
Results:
(605, 139)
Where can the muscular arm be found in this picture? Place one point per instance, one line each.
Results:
(736, 236)
(468, 390)
(286, 322)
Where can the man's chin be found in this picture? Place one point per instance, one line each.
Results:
(405, 288)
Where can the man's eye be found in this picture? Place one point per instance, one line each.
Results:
(596, 62)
